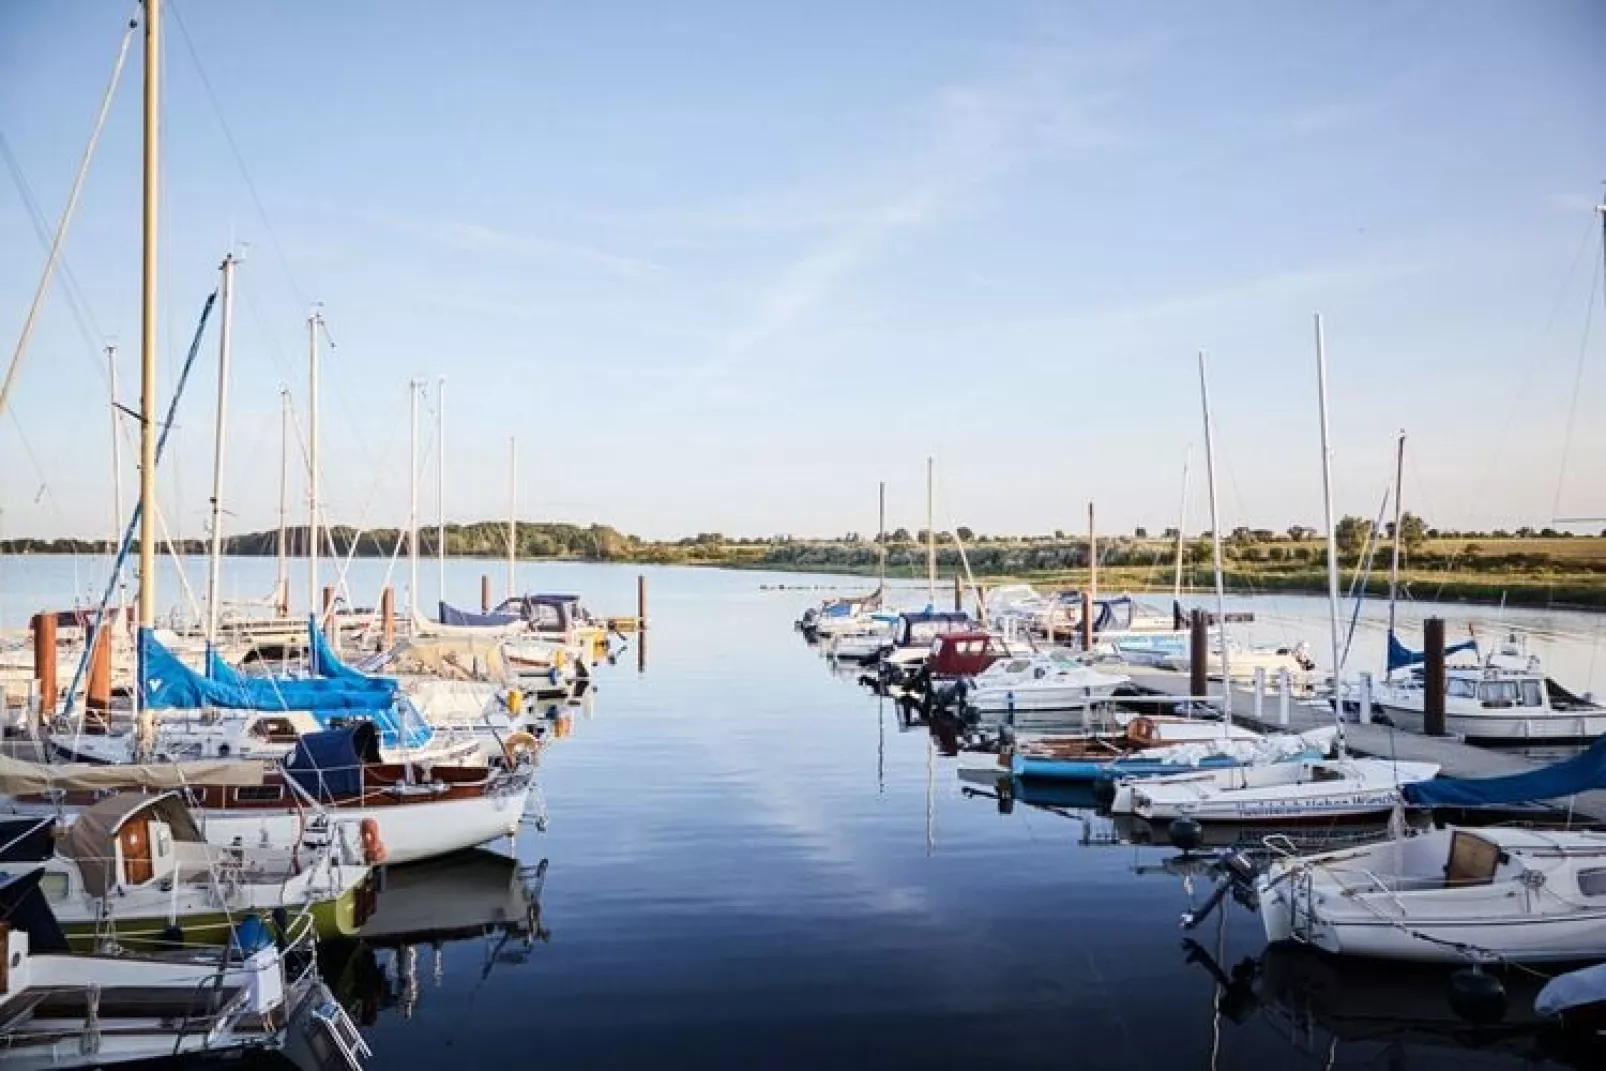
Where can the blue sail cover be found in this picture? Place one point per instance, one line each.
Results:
(167, 683)
(1577, 774)
(451, 615)
(329, 765)
(1401, 656)
(327, 664)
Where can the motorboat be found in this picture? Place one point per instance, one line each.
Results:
(135, 869)
(60, 1009)
(333, 785)
(1051, 680)
(903, 658)
(1576, 999)
(1451, 895)
(862, 641)
(1244, 662)
(1310, 790)
(1029, 762)
(1504, 699)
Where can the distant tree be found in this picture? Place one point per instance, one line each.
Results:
(1299, 533)
(1413, 532)
(1499, 533)
(1351, 534)
(1241, 536)
(1170, 533)
(1525, 533)
(1549, 533)
(901, 535)
(1472, 550)
(1059, 533)
(964, 533)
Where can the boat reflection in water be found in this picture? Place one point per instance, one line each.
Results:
(472, 896)
(1349, 1011)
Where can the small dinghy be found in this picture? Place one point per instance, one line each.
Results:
(1449, 895)
(1280, 792)
(1577, 998)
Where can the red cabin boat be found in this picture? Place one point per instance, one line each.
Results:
(962, 654)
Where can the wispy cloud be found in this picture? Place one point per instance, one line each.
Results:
(470, 237)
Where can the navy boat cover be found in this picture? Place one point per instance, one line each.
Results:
(328, 765)
(1401, 656)
(451, 615)
(1577, 774)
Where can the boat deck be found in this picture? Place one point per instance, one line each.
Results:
(1455, 757)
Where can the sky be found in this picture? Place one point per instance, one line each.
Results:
(725, 266)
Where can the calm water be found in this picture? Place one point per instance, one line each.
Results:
(749, 863)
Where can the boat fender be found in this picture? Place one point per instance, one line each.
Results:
(515, 701)
(373, 849)
(1478, 998)
(250, 935)
(554, 675)
(1186, 834)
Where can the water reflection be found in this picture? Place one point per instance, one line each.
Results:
(1347, 1011)
(478, 896)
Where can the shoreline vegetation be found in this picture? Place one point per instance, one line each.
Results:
(1527, 568)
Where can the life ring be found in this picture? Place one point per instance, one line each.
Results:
(1142, 731)
(373, 848)
(519, 745)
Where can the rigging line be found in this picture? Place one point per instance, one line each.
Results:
(66, 219)
(1572, 407)
(239, 158)
(82, 315)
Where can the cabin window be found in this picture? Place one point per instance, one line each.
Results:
(1460, 687)
(1498, 693)
(1592, 882)
(1531, 695)
(258, 793)
(1017, 666)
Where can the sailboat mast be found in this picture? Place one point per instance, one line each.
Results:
(1215, 539)
(147, 356)
(281, 586)
(1394, 562)
(412, 497)
(312, 462)
(881, 543)
(1092, 560)
(440, 481)
(220, 440)
(512, 513)
(1182, 520)
(1327, 506)
(117, 478)
(931, 534)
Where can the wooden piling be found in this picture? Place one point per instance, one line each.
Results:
(387, 617)
(641, 602)
(44, 661)
(959, 595)
(1198, 654)
(485, 593)
(1087, 620)
(98, 692)
(1433, 676)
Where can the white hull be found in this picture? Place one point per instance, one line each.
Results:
(1025, 697)
(1279, 792)
(1506, 727)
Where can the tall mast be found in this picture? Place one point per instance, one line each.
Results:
(1394, 563)
(147, 359)
(412, 497)
(931, 534)
(440, 481)
(1182, 520)
(881, 542)
(281, 586)
(225, 342)
(1327, 506)
(312, 461)
(1215, 539)
(512, 513)
(117, 479)
(1092, 559)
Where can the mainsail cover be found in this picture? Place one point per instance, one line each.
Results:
(326, 664)
(1569, 777)
(451, 615)
(1401, 656)
(21, 778)
(167, 683)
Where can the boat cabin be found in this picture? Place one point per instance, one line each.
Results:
(921, 629)
(963, 654)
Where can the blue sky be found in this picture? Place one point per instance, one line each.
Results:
(725, 266)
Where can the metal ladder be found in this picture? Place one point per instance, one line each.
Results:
(342, 1032)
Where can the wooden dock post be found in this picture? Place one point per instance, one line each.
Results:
(959, 595)
(98, 691)
(485, 593)
(1087, 621)
(328, 606)
(1198, 654)
(44, 662)
(1433, 676)
(1285, 686)
(641, 602)
(387, 617)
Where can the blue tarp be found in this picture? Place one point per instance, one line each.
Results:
(1577, 774)
(167, 683)
(327, 664)
(329, 764)
(451, 615)
(1401, 656)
